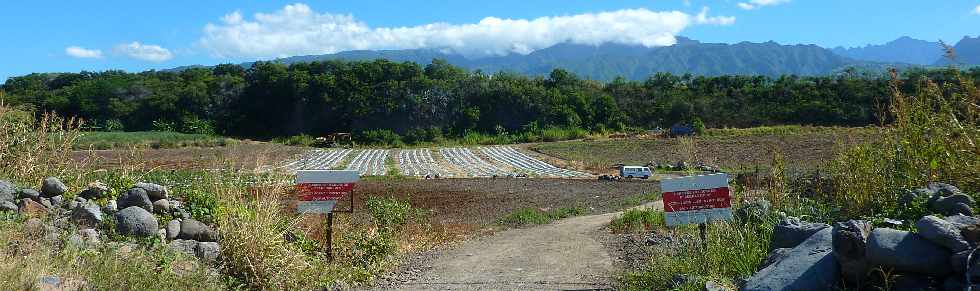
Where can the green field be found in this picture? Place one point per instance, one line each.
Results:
(148, 139)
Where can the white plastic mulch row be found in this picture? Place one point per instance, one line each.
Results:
(370, 162)
(419, 162)
(465, 160)
(514, 158)
(318, 160)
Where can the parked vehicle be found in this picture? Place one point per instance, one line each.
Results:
(635, 172)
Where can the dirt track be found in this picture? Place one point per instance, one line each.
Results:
(562, 255)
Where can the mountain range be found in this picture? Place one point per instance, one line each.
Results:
(608, 61)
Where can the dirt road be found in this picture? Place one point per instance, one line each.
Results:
(559, 256)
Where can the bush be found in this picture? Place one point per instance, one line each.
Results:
(380, 137)
(296, 140)
(389, 213)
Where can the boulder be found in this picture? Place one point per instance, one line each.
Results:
(7, 191)
(808, 266)
(907, 252)
(56, 201)
(95, 190)
(207, 251)
(88, 214)
(774, 257)
(912, 282)
(8, 206)
(183, 246)
(850, 240)
(791, 231)
(28, 193)
(941, 232)
(90, 236)
(31, 208)
(155, 192)
(51, 187)
(173, 229)
(46, 203)
(757, 210)
(161, 206)
(135, 197)
(962, 221)
(947, 199)
(196, 230)
(136, 221)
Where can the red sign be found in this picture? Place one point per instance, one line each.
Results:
(323, 191)
(696, 199)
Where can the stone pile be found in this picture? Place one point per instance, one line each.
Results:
(135, 213)
(815, 256)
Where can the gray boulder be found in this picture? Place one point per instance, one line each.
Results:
(7, 191)
(196, 230)
(962, 221)
(155, 192)
(207, 251)
(95, 190)
(947, 199)
(161, 206)
(907, 252)
(51, 187)
(136, 221)
(850, 240)
(88, 214)
(56, 201)
(28, 193)
(912, 282)
(791, 231)
(774, 257)
(809, 266)
(135, 197)
(173, 229)
(47, 203)
(8, 206)
(183, 246)
(942, 232)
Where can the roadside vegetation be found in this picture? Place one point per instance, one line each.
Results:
(533, 216)
(932, 137)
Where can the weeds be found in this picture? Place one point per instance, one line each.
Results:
(638, 220)
(531, 216)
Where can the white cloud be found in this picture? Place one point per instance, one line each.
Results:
(753, 4)
(298, 30)
(145, 52)
(976, 11)
(83, 53)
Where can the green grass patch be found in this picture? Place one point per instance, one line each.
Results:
(785, 130)
(533, 216)
(637, 220)
(148, 139)
(640, 199)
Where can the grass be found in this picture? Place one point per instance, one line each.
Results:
(148, 139)
(534, 216)
(638, 220)
(784, 130)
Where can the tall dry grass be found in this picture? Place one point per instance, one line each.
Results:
(32, 149)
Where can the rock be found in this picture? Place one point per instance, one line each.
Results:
(90, 236)
(183, 246)
(73, 204)
(907, 252)
(756, 210)
(809, 266)
(173, 229)
(95, 190)
(774, 257)
(28, 193)
(7, 191)
(207, 251)
(51, 187)
(962, 221)
(714, 286)
(136, 221)
(88, 214)
(850, 240)
(110, 207)
(8, 206)
(135, 197)
(161, 206)
(155, 192)
(942, 232)
(912, 282)
(56, 201)
(31, 208)
(791, 232)
(947, 199)
(46, 203)
(196, 230)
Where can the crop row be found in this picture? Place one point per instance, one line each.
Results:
(473, 166)
(317, 160)
(522, 162)
(419, 162)
(370, 163)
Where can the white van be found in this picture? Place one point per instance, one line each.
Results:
(635, 172)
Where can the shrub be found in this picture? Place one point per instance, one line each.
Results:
(389, 213)
(381, 137)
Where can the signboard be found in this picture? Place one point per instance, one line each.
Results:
(319, 190)
(696, 199)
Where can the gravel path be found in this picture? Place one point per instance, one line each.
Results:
(563, 255)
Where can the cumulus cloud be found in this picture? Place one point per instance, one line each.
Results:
(145, 52)
(83, 53)
(296, 30)
(976, 11)
(753, 4)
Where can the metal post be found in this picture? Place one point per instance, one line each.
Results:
(704, 236)
(329, 236)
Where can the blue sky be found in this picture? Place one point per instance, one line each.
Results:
(70, 36)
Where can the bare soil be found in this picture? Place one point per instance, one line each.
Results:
(247, 155)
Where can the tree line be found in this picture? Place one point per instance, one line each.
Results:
(271, 99)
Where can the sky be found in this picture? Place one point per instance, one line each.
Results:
(71, 36)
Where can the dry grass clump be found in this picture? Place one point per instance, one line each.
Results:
(33, 149)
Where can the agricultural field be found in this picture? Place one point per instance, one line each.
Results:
(419, 163)
(371, 162)
(148, 139)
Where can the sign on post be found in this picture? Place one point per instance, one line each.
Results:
(696, 199)
(319, 190)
